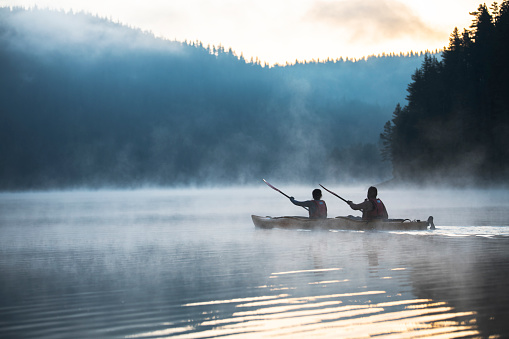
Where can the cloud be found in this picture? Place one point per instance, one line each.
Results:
(369, 21)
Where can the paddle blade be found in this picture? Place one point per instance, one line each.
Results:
(265, 181)
(275, 188)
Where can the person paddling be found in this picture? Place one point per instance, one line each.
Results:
(372, 207)
(317, 208)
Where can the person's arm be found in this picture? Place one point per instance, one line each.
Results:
(301, 203)
(365, 206)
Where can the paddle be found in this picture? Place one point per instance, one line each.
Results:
(275, 189)
(334, 194)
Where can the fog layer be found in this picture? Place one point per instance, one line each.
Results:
(87, 102)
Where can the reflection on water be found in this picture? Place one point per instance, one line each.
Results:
(325, 316)
(189, 263)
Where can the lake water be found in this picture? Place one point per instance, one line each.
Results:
(190, 264)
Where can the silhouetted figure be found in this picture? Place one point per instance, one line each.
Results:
(316, 207)
(372, 207)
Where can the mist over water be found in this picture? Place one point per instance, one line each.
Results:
(189, 263)
(168, 113)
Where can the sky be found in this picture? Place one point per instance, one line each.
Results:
(281, 31)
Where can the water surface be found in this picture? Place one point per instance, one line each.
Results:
(190, 264)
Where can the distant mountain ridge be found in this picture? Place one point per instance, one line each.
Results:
(87, 102)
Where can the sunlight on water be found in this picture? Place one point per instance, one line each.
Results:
(325, 316)
(191, 264)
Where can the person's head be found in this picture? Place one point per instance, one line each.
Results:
(317, 194)
(372, 192)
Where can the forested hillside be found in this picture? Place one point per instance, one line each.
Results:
(455, 126)
(87, 102)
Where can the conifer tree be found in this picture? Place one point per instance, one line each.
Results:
(457, 107)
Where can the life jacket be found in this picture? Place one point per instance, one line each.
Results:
(320, 211)
(378, 212)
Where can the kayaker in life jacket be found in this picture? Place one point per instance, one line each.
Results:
(316, 207)
(372, 207)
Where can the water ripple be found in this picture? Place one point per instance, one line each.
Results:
(325, 316)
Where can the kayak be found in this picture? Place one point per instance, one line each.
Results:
(342, 223)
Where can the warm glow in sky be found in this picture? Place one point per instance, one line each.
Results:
(277, 31)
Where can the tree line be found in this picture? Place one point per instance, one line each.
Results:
(85, 102)
(455, 125)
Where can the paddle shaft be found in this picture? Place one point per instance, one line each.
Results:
(280, 191)
(334, 194)
(275, 189)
